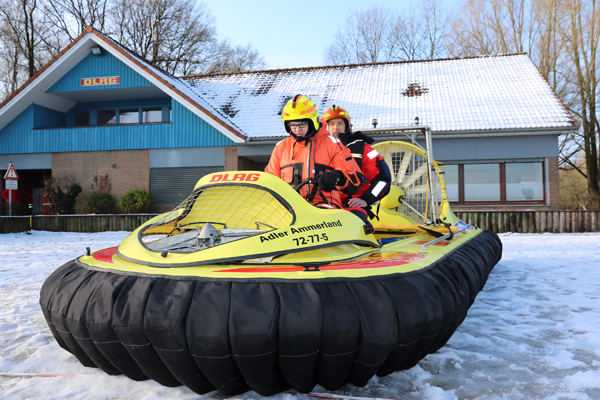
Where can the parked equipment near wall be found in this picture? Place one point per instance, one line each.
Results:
(245, 286)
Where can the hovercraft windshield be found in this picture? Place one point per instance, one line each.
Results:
(215, 215)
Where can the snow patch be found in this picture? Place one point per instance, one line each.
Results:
(532, 333)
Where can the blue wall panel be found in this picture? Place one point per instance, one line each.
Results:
(16, 136)
(46, 118)
(186, 130)
(99, 67)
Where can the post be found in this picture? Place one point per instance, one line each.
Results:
(431, 178)
(11, 182)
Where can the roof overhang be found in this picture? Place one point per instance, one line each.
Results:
(34, 90)
(562, 130)
(389, 133)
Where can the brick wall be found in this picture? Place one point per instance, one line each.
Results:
(126, 169)
(554, 183)
(231, 158)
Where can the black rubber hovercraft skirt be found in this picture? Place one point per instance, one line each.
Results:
(267, 335)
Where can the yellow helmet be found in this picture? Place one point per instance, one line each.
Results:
(300, 107)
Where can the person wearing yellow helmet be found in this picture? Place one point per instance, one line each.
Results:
(300, 118)
(372, 165)
(311, 160)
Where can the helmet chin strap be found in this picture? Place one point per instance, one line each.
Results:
(346, 133)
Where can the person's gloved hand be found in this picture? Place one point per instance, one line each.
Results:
(328, 180)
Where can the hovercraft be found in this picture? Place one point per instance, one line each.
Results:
(246, 286)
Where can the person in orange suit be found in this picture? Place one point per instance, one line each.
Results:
(310, 160)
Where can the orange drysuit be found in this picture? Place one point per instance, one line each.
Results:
(296, 161)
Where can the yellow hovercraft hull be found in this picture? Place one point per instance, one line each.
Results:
(247, 286)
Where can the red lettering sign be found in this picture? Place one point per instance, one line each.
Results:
(236, 178)
(109, 80)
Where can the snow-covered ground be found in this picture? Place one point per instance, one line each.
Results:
(533, 333)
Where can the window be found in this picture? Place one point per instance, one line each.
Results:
(129, 116)
(482, 182)
(153, 114)
(524, 181)
(82, 118)
(451, 177)
(501, 183)
(107, 117)
(125, 115)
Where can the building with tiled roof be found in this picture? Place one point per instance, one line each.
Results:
(98, 108)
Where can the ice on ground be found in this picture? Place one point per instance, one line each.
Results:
(532, 333)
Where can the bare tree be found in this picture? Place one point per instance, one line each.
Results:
(406, 37)
(437, 23)
(21, 20)
(420, 34)
(72, 16)
(363, 38)
(547, 50)
(379, 34)
(12, 71)
(235, 59)
(178, 36)
(494, 27)
(579, 29)
(574, 193)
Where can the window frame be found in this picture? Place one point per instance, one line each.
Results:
(93, 115)
(461, 185)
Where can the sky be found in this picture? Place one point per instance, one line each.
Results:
(533, 333)
(290, 34)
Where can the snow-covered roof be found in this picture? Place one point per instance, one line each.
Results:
(503, 92)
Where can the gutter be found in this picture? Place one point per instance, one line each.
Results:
(397, 132)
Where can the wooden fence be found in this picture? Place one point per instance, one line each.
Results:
(74, 223)
(497, 221)
(534, 221)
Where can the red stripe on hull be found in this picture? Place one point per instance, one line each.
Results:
(435, 244)
(377, 260)
(105, 255)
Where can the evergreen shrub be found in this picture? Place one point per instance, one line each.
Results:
(100, 203)
(135, 202)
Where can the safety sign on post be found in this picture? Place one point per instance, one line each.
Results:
(11, 173)
(11, 182)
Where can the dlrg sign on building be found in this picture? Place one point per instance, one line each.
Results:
(110, 80)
